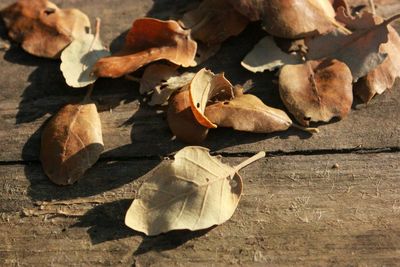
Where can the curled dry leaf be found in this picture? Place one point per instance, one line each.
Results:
(359, 50)
(204, 87)
(290, 18)
(266, 55)
(78, 59)
(149, 40)
(248, 113)
(181, 120)
(42, 28)
(316, 90)
(154, 75)
(71, 143)
(214, 21)
(383, 76)
(194, 191)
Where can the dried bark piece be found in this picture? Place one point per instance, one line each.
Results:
(291, 19)
(359, 50)
(266, 55)
(316, 90)
(204, 87)
(42, 28)
(181, 120)
(214, 21)
(149, 40)
(71, 143)
(194, 191)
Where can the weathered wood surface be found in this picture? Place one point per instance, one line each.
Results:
(296, 208)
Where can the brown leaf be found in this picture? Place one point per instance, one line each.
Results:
(214, 21)
(42, 28)
(181, 120)
(248, 113)
(316, 90)
(204, 87)
(149, 40)
(359, 50)
(154, 75)
(194, 191)
(290, 18)
(71, 143)
(384, 76)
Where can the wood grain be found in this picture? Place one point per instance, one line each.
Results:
(295, 210)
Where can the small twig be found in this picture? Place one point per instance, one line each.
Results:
(310, 130)
(372, 6)
(132, 78)
(248, 161)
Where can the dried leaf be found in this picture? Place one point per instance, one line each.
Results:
(316, 91)
(78, 59)
(384, 76)
(42, 28)
(154, 75)
(181, 120)
(290, 18)
(149, 40)
(248, 113)
(194, 191)
(71, 143)
(359, 50)
(214, 21)
(163, 92)
(266, 55)
(204, 87)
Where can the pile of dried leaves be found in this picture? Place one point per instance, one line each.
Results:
(322, 52)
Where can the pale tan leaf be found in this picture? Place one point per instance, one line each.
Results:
(194, 191)
(71, 143)
(154, 75)
(266, 55)
(78, 59)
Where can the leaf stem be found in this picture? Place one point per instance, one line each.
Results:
(372, 6)
(96, 34)
(248, 161)
(88, 93)
(306, 129)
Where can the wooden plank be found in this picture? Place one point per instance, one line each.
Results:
(135, 130)
(295, 210)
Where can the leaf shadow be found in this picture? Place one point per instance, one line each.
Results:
(105, 175)
(106, 223)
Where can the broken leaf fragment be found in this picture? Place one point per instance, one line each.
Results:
(42, 28)
(266, 55)
(194, 191)
(149, 40)
(71, 143)
(78, 59)
(316, 90)
(204, 87)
